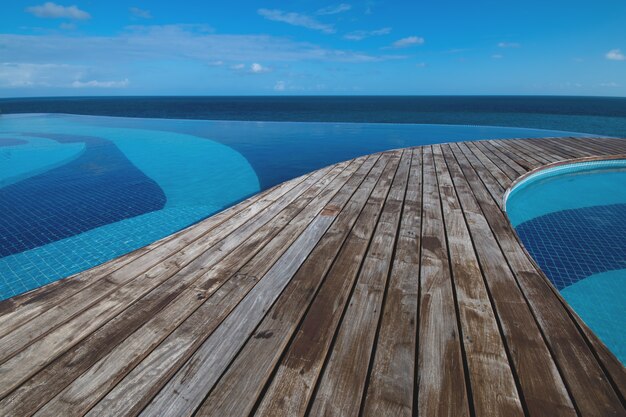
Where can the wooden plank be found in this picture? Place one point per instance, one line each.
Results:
(248, 374)
(530, 356)
(101, 377)
(18, 310)
(134, 392)
(495, 188)
(525, 161)
(220, 312)
(293, 384)
(36, 355)
(189, 386)
(494, 390)
(496, 171)
(525, 152)
(563, 151)
(392, 379)
(511, 168)
(505, 156)
(533, 146)
(441, 379)
(154, 265)
(589, 387)
(589, 146)
(85, 390)
(342, 383)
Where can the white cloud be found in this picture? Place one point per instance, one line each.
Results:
(497, 56)
(508, 45)
(296, 19)
(280, 86)
(358, 35)
(19, 74)
(52, 10)
(41, 60)
(143, 14)
(611, 84)
(335, 9)
(169, 42)
(615, 55)
(406, 42)
(257, 68)
(421, 65)
(101, 84)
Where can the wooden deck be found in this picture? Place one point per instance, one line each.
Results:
(389, 285)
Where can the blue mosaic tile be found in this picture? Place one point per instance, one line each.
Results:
(571, 245)
(100, 187)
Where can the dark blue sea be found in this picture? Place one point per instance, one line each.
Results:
(597, 115)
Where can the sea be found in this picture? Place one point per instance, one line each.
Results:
(596, 115)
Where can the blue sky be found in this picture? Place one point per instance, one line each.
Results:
(305, 47)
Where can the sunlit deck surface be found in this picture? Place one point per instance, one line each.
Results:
(388, 285)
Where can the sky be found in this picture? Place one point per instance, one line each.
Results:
(306, 47)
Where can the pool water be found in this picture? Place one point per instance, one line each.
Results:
(76, 191)
(572, 220)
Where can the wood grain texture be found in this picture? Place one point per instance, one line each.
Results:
(389, 285)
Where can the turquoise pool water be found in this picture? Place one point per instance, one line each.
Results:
(572, 220)
(76, 191)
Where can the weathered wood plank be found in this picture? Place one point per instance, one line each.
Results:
(390, 285)
(530, 356)
(526, 162)
(442, 390)
(591, 391)
(34, 356)
(292, 387)
(189, 386)
(342, 384)
(392, 379)
(494, 390)
(223, 285)
(86, 389)
(251, 369)
(16, 311)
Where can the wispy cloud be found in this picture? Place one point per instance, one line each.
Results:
(257, 68)
(421, 65)
(615, 55)
(51, 10)
(280, 86)
(296, 19)
(19, 74)
(508, 45)
(334, 9)
(101, 84)
(359, 35)
(41, 59)
(611, 84)
(407, 42)
(142, 14)
(497, 56)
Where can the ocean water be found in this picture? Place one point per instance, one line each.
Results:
(572, 220)
(598, 115)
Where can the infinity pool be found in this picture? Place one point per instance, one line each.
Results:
(572, 220)
(76, 191)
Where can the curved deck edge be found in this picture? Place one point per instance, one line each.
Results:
(390, 284)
